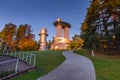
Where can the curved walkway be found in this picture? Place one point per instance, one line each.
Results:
(75, 67)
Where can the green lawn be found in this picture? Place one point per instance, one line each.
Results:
(46, 61)
(107, 66)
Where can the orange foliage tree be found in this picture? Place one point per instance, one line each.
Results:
(25, 39)
(27, 44)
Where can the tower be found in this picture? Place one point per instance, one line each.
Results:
(61, 40)
(43, 34)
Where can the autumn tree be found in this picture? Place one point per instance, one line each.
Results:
(8, 35)
(25, 40)
(76, 43)
(27, 44)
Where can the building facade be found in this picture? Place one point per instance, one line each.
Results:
(61, 40)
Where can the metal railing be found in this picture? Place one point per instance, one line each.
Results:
(16, 66)
(13, 65)
(26, 56)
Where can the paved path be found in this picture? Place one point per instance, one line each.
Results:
(75, 67)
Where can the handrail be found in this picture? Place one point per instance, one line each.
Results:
(24, 56)
(16, 67)
(7, 61)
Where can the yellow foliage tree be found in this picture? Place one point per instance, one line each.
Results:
(84, 26)
(76, 43)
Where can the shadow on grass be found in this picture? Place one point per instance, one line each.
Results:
(107, 66)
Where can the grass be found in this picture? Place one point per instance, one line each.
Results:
(46, 61)
(107, 66)
(6, 73)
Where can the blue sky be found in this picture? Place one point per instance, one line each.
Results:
(42, 13)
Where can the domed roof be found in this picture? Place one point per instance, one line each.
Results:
(43, 31)
(58, 19)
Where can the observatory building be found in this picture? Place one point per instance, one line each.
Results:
(61, 40)
(43, 35)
